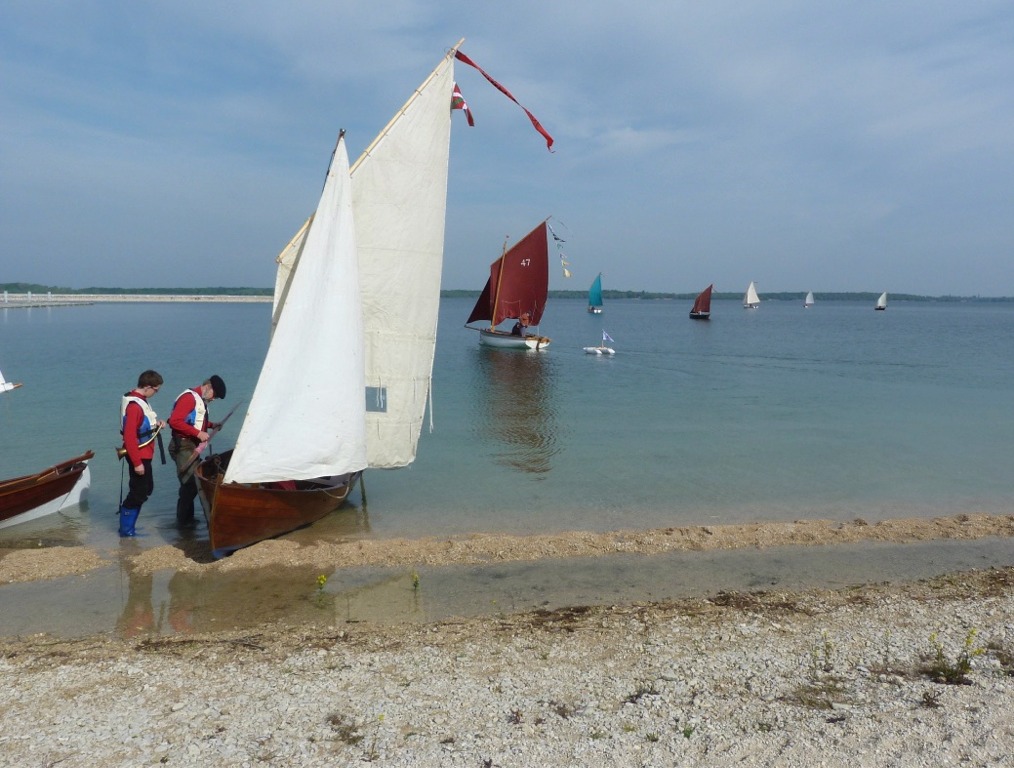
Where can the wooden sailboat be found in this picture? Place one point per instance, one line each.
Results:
(881, 302)
(517, 289)
(808, 301)
(30, 497)
(356, 300)
(702, 304)
(53, 489)
(595, 296)
(750, 299)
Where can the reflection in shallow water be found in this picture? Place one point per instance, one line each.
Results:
(131, 603)
(514, 392)
(66, 528)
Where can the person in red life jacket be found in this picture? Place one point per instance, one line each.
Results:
(191, 423)
(139, 426)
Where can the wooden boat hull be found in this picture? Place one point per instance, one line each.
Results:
(240, 514)
(504, 340)
(33, 496)
(700, 315)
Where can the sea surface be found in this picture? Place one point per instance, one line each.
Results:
(774, 414)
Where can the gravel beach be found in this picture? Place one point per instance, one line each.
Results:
(911, 674)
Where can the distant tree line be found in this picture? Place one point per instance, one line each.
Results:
(867, 296)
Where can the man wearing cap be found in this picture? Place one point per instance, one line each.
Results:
(190, 423)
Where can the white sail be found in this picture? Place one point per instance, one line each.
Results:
(7, 386)
(750, 299)
(882, 301)
(307, 415)
(399, 188)
(808, 301)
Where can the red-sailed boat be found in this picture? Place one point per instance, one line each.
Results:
(702, 304)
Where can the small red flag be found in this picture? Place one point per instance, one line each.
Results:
(458, 102)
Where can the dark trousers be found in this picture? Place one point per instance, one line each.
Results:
(140, 487)
(183, 452)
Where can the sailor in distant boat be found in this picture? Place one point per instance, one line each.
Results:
(139, 426)
(521, 326)
(191, 423)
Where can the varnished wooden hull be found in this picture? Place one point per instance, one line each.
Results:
(33, 496)
(240, 515)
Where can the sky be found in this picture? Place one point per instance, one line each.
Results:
(801, 144)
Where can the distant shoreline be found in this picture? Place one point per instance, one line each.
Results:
(15, 300)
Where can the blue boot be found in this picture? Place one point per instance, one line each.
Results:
(128, 517)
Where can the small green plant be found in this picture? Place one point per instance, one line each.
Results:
(415, 581)
(321, 582)
(943, 670)
(688, 731)
(652, 737)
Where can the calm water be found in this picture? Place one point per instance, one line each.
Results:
(778, 413)
(774, 414)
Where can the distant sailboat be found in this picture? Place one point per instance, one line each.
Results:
(7, 386)
(882, 301)
(517, 289)
(595, 296)
(702, 304)
(750, 299)
(808, 301)
(601, 349)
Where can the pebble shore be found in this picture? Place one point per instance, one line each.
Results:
(818, 678)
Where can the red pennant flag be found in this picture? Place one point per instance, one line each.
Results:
(458, 102)
(538, 126)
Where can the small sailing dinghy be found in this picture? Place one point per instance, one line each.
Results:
(347, 375)
(808, 301)
(601, 349)
(750, 299)
(595, 296)
(55, 488)
(7, 386)
(881, 302)
(517, 289)
(702, 304)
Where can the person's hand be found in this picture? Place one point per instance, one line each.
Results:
(139, 469)
(202, 437)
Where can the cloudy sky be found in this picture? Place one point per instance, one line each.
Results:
(803, 144)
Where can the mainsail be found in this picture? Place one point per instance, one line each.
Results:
(518, 282)
(750, 299)
(702, 304)
(399, 188)
(399, 192)
(307, 415)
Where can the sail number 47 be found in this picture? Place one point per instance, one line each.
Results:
(526, 262)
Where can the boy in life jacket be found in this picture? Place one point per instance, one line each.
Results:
(139, 426)
(191, 422)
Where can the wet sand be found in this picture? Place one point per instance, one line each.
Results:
(19, 565)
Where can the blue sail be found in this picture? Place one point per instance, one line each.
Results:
(595, 294)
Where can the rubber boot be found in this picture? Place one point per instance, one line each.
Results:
(128, 518)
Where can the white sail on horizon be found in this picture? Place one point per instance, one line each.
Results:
(7, 386)
(750, 299)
